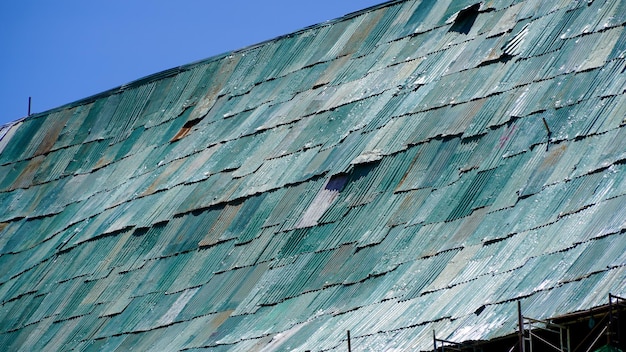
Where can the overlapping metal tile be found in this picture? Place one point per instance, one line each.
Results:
(391, 173)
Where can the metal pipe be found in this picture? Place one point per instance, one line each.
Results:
(569, 345)
(520, 324)
(609, 336)
(349, 345)
(596, 340)
(546, 342)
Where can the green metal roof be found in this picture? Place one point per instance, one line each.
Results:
(416, 166)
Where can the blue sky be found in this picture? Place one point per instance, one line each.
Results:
(61, 51)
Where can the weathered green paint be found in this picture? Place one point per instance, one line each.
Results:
(382, 173)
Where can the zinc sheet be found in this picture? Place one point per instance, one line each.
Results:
(372, 173)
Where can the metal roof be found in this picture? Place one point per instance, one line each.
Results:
(416, 166)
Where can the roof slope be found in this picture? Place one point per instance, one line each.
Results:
(417, 166)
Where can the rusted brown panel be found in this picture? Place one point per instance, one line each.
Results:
(362, 32)
(204, 105)
(163, 176)
(220, 318)
(218, 229)
(54, 128)
(108, 157)
(25, 179)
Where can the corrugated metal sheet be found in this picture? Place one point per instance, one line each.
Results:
(385, 173)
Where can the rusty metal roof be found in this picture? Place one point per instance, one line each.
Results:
(416, 166)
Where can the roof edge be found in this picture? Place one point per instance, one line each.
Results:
(182, 68)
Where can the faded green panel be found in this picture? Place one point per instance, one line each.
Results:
(22, 140)
(416, 166)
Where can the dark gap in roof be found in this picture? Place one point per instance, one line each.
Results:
(318, 85)
(504, 58)
(465, 19)
(141, 231)
(362, 170)
(337, 182)
(496, 240)
(185, 129)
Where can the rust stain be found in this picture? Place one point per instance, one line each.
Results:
(25, 179)
(220, 225)
(104, 161)
(408, 172)
(338, 259)
(55, 125)
(184, 131)
(169, 170)
(477, 106)
(220, 318)
(362, 32)
(554, 156)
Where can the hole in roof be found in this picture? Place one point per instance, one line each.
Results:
(479, 310)
(185, 129)
(465, 19)
(337, 182)
(362, 170)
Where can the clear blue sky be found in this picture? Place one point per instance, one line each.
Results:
(61, 51)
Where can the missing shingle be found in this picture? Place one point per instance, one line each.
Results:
(489, 242)
(185, 129)
(502, 59)
(465, 19)
(337, 182)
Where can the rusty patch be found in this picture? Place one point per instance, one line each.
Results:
(54, 129)
(220, 225)
(553, 157)
(25, 179)
(105, 160)
(220, 318)
(185, 129)
(169, 170)
(362, 32)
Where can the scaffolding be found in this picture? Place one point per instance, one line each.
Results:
(616, 304)
(560, 334)
(446, 345)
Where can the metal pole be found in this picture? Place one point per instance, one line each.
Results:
(561, 339)
(618, 341)
(596, 340)
(610, 325)
(349, 345)
(520, 323)
(29, 102)
(569, 346)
